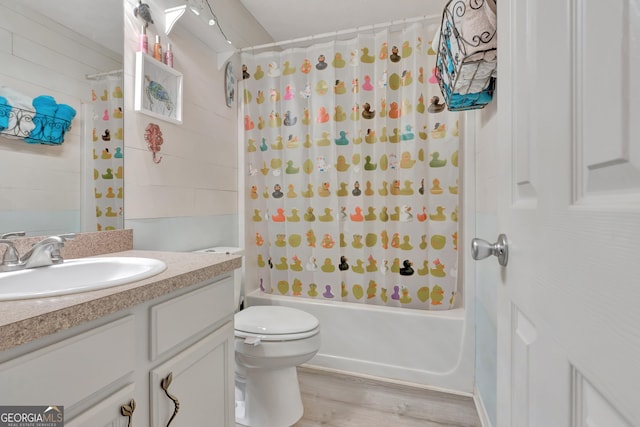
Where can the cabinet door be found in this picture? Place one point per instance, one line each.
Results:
(199, 384)
(108, 412)
(70, 371)
(176, 321)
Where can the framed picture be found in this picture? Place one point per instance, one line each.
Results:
(158, 89)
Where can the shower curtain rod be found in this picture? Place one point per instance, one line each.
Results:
(342, 32)
(98, 75)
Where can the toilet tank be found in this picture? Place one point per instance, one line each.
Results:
(238, 288)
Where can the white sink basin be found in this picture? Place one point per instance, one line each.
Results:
(76, 275)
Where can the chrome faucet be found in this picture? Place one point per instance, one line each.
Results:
(45, 252)
(10, 259)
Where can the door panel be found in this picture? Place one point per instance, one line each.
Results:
(606, 127)
(524, 185)
(591, 408)
(570, 205)
(523, 337)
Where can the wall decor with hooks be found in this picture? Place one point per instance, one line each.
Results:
(153, 138)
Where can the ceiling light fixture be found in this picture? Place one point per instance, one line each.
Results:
(216, 20)
(201, 8)
(196, 6)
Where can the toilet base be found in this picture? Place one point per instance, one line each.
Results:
(268, 397)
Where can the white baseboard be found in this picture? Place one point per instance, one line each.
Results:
(482, 411)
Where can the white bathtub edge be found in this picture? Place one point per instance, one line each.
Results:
(451, 370)
(388, 380)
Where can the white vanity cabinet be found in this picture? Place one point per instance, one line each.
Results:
(197, 379)
(111, 371)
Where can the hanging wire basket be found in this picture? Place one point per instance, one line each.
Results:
(467, 56)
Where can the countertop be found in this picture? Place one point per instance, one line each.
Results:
(27, 320)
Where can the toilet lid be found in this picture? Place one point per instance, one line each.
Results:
(274, 320)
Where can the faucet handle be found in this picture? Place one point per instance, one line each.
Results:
(12, 234)
(56, 256)
(10, 254)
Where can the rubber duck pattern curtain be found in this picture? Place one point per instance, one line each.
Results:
(352, 172)
(107, 151)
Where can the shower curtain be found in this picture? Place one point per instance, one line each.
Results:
(107, 145)
(352, 171)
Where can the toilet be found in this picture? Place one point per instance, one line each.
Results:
(270, 342)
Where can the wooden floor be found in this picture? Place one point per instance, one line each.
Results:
(336, 400)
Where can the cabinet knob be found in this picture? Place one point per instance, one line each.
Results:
(164, 384)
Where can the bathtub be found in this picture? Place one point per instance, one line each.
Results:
(429, 348)
(434, 349)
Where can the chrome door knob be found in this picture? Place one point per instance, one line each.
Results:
(481, 249)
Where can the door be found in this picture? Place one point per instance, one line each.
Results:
(569, 201)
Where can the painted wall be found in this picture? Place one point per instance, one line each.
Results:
(39, 184)
(190, 199)
(486, 271)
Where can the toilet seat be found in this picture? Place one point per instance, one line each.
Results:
(275, 323)
(280, 337)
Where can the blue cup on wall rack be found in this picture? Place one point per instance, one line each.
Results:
(61, 124)
(45, 107)
(5, 109)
